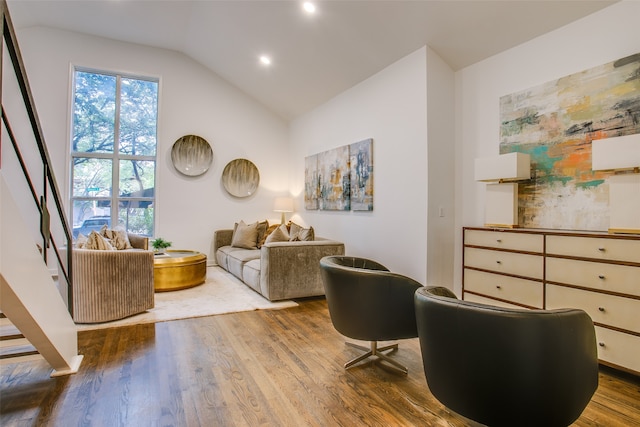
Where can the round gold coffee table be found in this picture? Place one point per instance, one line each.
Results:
(178, 269)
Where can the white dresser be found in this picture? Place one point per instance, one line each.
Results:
(596, 272)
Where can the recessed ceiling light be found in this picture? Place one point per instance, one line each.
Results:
(265, 60)
(309, 7)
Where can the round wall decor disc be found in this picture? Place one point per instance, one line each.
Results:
(191, 155)
(240, 178)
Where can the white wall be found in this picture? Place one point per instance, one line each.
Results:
(193, 100)
(605, 36)
(441, 147)
(391, 108)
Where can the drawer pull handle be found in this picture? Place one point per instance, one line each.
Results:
(498, 287)
(601, 344)
(601, 308)
(601, 249)
(601, 276)
(499, 240)
(498, 262)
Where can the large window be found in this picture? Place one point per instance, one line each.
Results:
(113, 151)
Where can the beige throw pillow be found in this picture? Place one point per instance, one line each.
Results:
(81, 240)
(270, 230)
(97, 242)
(245, 236)
(262, 232)
(118, 237)
(280, 234)
(297, 232)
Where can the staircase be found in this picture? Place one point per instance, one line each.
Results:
(35, 319)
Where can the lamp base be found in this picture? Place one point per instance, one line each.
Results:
(624, 231)
(502, 225)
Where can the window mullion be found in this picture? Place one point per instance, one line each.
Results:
(116, 151)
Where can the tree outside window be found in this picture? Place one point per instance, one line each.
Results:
(113, 150)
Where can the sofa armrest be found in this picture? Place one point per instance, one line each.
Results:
(221, 238)
(292, 269)
(138, 242)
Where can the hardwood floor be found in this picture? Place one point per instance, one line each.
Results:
(272, 368)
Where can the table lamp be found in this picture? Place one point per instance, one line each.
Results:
(622, 155)
(502, 172)
(283, 205)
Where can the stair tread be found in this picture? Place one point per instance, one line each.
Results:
(17, 351)
(9, 332)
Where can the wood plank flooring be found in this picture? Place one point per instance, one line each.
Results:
(261, 368)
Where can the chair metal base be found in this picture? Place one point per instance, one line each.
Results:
(375, 351)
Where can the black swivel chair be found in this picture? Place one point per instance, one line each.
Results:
(506, 367)
(367, 302)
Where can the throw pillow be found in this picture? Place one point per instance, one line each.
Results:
(262, 230)
(280, 234)
(306, 235)
(270, 230)
(245, 236)
(118, 237)
(298, 232)
(97, 242)
(81, 240)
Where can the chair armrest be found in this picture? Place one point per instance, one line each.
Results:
(221, 238)
(139, 242)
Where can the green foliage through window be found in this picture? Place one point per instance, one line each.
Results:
(113, 149)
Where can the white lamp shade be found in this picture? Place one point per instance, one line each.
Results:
(506, 167)
(283, 204)
(620, 152)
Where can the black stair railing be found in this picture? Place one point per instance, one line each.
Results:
(48, 193)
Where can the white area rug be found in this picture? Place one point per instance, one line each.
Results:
(221, 293)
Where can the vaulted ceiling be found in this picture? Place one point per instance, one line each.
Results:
(314, 57)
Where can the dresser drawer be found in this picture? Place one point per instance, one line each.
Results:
(505, 240)
(488, 301)
(610, 277)
(605, 309)
(594, 247)
(522, 291)
(618, 348)
(505, 262)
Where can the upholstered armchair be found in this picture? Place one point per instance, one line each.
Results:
(506, 367)
(368, 302)
(110, 285)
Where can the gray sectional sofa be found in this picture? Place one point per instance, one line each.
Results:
(277, 270)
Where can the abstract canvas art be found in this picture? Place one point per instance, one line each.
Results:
(333, 177)
(555, 123)
(340, 179)
(361, 175)
(311, 186)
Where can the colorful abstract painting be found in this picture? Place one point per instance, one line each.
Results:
(361, 175)
(311, 183)
(555, 123)
(333, 175)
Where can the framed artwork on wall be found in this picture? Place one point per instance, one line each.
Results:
(340, 179)
(361, 175)
(333, 177)
(555, 123)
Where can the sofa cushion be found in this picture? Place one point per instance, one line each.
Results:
(222, 255)
(237, 259)
(251, 274)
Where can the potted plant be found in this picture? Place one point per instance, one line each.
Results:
(159, 244)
